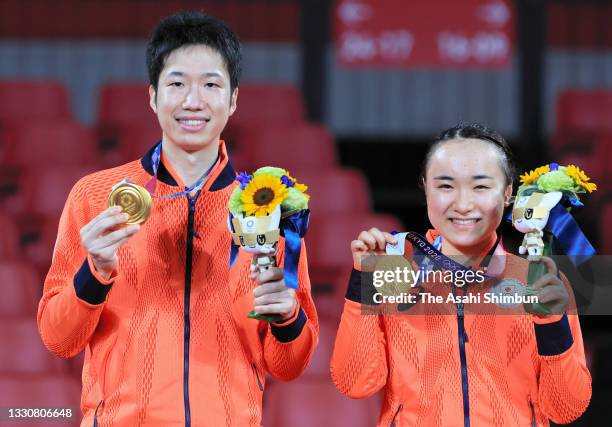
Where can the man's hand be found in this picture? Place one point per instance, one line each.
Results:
(271, 294)
(101, 240)
(550, 290)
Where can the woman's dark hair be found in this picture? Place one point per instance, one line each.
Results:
(189, 29)
(474, 131)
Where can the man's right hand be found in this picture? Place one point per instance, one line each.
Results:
(101, 239)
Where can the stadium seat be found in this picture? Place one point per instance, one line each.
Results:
(292, 146)
(27, 354)
(268, 104)
(596, 163)
(328, 242)
(33, 101)
(585, 110)
(581, 116)
(38, 236)
(308, 402)
(135, 141)
(42, 391)
(605, 226)
(34, 145)
(123, 104)
(20, 289)
(44, 191)
(9, 238)
(335, 191)
(263, 105)
(318, 368)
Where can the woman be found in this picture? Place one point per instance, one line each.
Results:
(465, 368)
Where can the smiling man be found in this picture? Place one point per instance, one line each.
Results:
(154, 305)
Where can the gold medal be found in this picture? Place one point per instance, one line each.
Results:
(133, 199)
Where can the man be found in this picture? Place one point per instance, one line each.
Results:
(161, 316)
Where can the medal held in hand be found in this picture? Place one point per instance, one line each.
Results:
(268, 204)
(133, 199)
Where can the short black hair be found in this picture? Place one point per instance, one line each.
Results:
(189, 28)
(474, 131)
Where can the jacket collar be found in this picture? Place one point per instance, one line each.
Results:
(221, 180)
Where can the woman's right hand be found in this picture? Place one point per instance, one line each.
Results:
(101, 239)
(370, 242)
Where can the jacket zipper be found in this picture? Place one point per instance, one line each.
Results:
(463, 338)
(399, 408)
(533, 419)
(95, 423)
(187, 299)
(259, 384)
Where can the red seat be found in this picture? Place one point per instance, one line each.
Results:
(291, 146)
(595, 163)
(33, 145)
(124, 104)
(268, 104)
(42, 391)
(329, 238)
(605, 226)
(581, 116)
(318, 368)
(9, 238)
(33, 101)
(38, 234)
(135, 141)
(45, 191)
(585, 110)
(27, 354)
(335, 191)
(263, 105)
(20, 289)
(307, 403)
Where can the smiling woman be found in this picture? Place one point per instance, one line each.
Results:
(467, 177)
(449, 360)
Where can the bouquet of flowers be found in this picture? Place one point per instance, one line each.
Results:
(542, 212)
(268, 204)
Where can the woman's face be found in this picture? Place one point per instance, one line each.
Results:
(466, 189)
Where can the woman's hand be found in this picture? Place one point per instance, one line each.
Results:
(550, 291)
(371, 242)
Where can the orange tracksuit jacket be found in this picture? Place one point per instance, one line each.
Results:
(463, 369)
(167, 341)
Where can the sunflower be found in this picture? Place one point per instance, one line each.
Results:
(293, 183)
(262, 195)
(580, 178)
(532, 176)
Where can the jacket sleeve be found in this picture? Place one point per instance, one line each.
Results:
(74, 294)
(288, 346)
(359, 360)
(564, 390)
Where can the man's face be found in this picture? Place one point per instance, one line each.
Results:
(194, 99)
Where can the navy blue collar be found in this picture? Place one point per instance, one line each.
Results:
(225, 178)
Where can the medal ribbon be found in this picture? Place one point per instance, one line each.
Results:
(155, 159)
(426, 254)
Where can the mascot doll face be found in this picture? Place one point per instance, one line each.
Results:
(531, 212)
(256, 235)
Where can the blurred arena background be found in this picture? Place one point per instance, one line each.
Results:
(344, 94)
